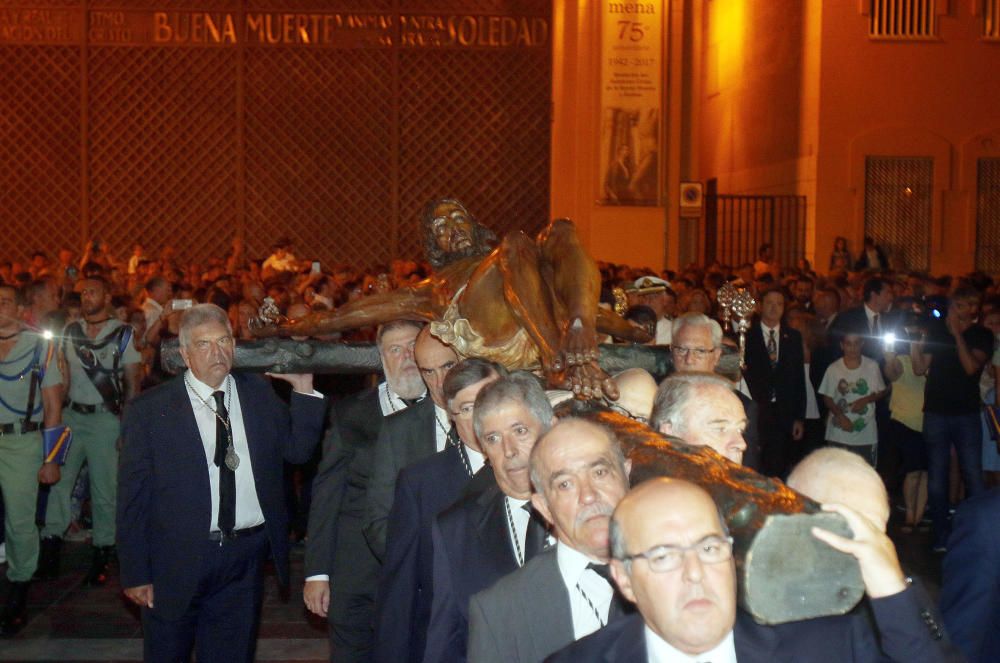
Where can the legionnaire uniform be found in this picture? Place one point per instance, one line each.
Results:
(27, 368)
(93, 407)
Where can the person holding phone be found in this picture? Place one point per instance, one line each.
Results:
(952, 355)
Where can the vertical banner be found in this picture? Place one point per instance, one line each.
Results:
(630, 102)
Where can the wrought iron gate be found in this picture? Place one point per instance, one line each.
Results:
(736, 226)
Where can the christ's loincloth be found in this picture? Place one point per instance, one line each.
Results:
(517, 352)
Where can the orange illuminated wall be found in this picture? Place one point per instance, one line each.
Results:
(754, 78)
(935, 98)
(791, 96)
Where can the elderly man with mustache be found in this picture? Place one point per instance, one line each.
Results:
(564, 593)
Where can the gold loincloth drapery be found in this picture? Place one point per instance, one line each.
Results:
(516, 353)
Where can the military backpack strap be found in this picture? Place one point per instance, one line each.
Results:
(106, 381)
(37, 375)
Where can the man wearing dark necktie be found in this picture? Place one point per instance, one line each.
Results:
(488, 534)
(775, 374)
(424, 489)
(565, 593)
(201, 503)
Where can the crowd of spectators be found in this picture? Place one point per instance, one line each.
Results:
(924, 334)
(151, 289)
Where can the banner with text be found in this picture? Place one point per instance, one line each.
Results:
(143, 27)
(631, 99)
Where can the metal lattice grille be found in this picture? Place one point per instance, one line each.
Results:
(40, 172)
(988, 215)
(162, 144)
(468, 130)
(337, 145)
(898, 195)
(323, 181)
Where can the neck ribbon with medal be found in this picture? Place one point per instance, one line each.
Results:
(232, 459)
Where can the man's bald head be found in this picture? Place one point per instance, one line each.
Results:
(434, 359)
(692, 606)
(636, 391)
(832, 475)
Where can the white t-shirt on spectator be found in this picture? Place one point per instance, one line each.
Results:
(845, 385)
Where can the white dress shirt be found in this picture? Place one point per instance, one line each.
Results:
(659, 650)
(583, 584)
(521, 518)
(441, 427)
(664, 328)
(248, 512)
(870, 315)
(476, 459)
(388, 400)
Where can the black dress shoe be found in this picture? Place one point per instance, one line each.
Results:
(48, 558)
(98, 573)
(14, 615)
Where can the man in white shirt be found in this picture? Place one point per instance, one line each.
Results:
(673, 557)
(656, 293)
(201, 500)
(565, 593)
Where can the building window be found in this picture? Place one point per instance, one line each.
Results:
(898, 195)
(902, 19)
(988, 215)
(991, 19)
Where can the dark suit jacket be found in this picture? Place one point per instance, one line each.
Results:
(472, 550)
(336, 546)
(856, 320)
(751, 457)
(905, 639)
(524, 617)
(970, 592)
(164, 498)
(403, 607)
(787, 378)
(406, 437)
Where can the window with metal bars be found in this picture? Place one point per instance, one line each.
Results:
(991, 19)
(902, 19)
(988, 215)
(898, 195)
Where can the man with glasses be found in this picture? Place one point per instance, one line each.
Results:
(697, 348)
(636, 391)
(201, 498)
(673, 557)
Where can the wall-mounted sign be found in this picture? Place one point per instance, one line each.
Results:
(108, 27)
(691, 199)
(631, 98)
